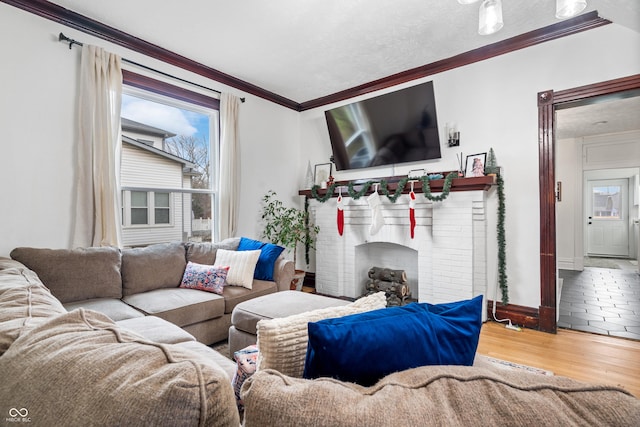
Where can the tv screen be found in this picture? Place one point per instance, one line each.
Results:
(396, 127)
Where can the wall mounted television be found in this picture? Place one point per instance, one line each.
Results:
(396, 127)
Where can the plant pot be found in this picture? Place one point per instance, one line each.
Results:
(298, 280)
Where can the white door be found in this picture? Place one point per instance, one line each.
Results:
(607, 217)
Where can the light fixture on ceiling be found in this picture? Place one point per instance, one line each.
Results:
(568, 8)
(490, 19)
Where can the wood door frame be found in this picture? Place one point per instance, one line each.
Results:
(548, 102)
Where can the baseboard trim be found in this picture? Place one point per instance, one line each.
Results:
(527, 317)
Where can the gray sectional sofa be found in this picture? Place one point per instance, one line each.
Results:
(80, 367)
(131, 283)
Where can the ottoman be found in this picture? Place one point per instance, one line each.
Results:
(245, 316)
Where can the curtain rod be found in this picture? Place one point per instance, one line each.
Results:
(63, 38)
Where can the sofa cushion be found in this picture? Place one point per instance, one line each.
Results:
(178, 306)
(75, 274)
(269, 253)
(25, 302)
(226, 364)
(204, 277)
(436, 395)
(82, 368)
(156, 329)
(242, 266)
(234, 295)
(153, 267)
(283, 341)
(113, 308)
(205, 252)
(400, 338)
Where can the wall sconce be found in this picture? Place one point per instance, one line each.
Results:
(453, 136)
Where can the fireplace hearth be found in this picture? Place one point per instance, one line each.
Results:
(445, 261)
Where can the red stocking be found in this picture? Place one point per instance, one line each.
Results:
(412, 212)
(340, 218)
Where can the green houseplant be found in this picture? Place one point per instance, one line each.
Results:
(286, 226)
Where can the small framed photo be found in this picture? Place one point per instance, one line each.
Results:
(475, 165)
(321, 174)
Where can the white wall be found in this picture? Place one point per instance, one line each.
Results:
(37, 115)
(494, 104)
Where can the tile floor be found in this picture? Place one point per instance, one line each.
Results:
(602, 300)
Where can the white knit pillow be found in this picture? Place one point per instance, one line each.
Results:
(242, 265)
(283, 341)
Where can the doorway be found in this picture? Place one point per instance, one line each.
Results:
(607, 213)
(548, 103)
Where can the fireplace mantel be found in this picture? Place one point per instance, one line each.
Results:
(458, 184)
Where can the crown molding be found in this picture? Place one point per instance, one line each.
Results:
(95, 28)
(552, 32)
(79, 22)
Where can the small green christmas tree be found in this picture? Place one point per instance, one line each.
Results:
(491, 167)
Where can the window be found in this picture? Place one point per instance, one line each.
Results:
(169, 163)
(139, 208)
(606, 202)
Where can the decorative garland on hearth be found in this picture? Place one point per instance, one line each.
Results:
(426, 191)
(502, 244)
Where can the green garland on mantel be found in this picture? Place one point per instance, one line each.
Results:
(426, 191)
(384, 188)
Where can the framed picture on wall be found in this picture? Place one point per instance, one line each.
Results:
(321, 174)
(475, 165)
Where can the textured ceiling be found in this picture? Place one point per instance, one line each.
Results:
(611, 116)
(304, 50)
(307, 49)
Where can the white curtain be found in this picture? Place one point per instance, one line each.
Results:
(97, 212)
(229, 165)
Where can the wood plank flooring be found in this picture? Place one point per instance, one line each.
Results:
(579, 355)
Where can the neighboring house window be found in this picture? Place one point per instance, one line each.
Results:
(139, 208)
(137, 211)
(169, 163)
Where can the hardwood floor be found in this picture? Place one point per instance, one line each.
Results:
(579, 355)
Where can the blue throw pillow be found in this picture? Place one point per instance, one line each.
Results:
(363, 348)
(268, 255)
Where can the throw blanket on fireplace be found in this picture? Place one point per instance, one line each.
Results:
(438, 396)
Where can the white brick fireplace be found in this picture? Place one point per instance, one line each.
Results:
(445, 261)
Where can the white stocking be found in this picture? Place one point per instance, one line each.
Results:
(377, 220)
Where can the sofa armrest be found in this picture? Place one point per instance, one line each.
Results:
(283, 271)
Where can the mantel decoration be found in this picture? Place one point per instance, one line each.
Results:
(382, 185)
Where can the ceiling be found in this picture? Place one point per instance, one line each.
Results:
(610, 116)
(304, 50)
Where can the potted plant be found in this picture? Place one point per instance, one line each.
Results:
(287, 226)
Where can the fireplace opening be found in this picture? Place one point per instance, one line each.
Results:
(390, 255)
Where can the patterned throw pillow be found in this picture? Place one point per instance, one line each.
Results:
(204, 277)
(246, 366)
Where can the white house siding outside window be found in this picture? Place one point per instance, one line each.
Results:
(169, 164)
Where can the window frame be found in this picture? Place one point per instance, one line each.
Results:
(158, 90)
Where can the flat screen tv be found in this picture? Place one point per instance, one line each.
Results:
(396, 127)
